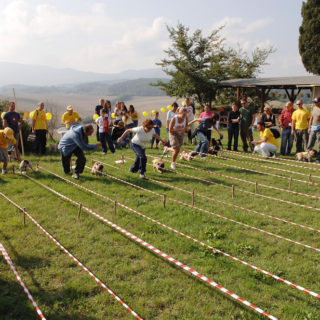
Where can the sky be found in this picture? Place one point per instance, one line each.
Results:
(111, 36)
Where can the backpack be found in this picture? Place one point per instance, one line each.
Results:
(275, 131)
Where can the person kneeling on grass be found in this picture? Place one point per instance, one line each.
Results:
(267, 145)
(6, 136)
(143, 134)
(74, 142)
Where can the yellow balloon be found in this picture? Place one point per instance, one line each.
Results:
(145, 114)
(95, 117)
(153, 111)
(184, 103)
(113, 115)
(163, 110)
(2, 114)
(31, 114)
(169, 107)
(48, 116)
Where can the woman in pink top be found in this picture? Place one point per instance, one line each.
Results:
(177, 128)
(207, 113)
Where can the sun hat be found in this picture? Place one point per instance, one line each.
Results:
(69, 108)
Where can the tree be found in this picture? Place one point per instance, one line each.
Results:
(309, 40)
(197, 64)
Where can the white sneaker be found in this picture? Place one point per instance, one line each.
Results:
(165, 151)
(75, 176)
(4, 171)
(173, 166)
(142, 176)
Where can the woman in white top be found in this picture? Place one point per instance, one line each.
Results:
(177, 129)
(143, 135)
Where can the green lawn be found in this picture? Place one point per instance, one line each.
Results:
(150, 285)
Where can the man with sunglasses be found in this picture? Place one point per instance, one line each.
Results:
(247, 118)
(300, 125)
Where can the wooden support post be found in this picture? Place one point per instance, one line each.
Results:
(290, 182)
(256, 187)
(164, 200)
(115, 207)
(13, 169)
(24, 216)
(79, 211)
(232, 191)
(193, 197)
(310, 177)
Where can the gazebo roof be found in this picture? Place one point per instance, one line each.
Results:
(273, 83)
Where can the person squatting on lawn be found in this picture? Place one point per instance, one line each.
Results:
(177, 130)
(246, 124)
(6, 135)
(300, 124)
(39, 127)
(286, 123)
(202, 133)
(104, 136)
(267, 145)
(143, 135)
(74, 142)
(314, 127)
(233, 127)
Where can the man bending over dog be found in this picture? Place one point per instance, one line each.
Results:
(74, 142)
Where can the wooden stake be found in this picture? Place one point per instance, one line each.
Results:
(80, 207)
(115, 207)
(256, 188)
(13, 169)
(310, 177)
(193, 197)
(290, 182)
(24, 216)
(164, 200)
(233, 191)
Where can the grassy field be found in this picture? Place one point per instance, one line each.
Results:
(149, 284)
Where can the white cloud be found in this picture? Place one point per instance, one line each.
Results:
(94, 41)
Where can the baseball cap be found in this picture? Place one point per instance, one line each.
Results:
(8, 132)
(316, 100)
(69, 108)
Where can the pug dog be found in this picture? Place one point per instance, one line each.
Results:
(25, 165)
(158, 165)
(97, 169)
(184, 155)
(306, 156)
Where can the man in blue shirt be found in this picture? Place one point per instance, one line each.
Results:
(12, 120)
(157, 125)
(74, 142)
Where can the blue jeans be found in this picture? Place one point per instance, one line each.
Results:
(286, 141)
(141, 160)
(203, 145)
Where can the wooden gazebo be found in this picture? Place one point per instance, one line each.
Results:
(291, 85)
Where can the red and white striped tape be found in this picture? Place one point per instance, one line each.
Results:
(75, 259)
(223, 202)
(314, 294)
(25, 289)
(242, 190)
(163, 254)
(260, 172)
(280, 161)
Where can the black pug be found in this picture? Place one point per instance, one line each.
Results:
(216, 146)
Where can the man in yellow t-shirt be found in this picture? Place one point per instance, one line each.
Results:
(300, 125)
(6, 136)
(70, 117)
(267, 145)
(39, 127)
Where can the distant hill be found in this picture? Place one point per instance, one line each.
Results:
(14, 74)
(124, 89)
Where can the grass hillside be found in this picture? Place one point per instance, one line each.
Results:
(152, 286)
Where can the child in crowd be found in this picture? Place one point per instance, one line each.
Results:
(157, 125)
(117, 132)
(104, 136)
(143, 134)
